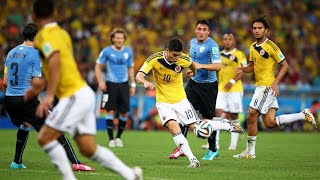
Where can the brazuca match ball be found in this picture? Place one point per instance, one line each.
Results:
(203, 129)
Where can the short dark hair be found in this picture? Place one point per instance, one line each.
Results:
(43, 8)
(117, 30)
(175, 45)
(262, 20)
(29, 32)
(204, 22)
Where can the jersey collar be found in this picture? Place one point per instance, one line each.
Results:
(51, 24)
(164, 57)
(262, 43)
(230, 52)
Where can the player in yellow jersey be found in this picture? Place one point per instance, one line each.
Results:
(74, 112)
(264, 55)
(230, 88)
(171, 101)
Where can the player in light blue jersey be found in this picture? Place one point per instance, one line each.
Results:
(202, 89)
(118, 60)
(22, 68)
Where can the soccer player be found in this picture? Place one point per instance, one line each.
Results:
(118, 60)
(230, 88)
(22, 66)
(171, 102)
(202, 89)
(74, 112)
(264, 55)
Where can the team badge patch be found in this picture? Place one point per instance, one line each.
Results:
(126, 55)
(201, 49)
(46, 49)
(281, 56)
(177, 69)
(262, 52)
(215, 50)
(232, 57)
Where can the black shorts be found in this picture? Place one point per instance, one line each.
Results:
(20, 111)
(203, 97)
(119, 98)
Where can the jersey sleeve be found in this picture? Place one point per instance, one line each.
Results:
(148, 65)
(251, 52)
(102, 57)
(49, 45)
(186, 61)
(36, 72)
(243, 59)
(215, 53)
(131, 59)
(278, 56)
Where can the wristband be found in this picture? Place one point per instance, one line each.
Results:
(133, 85)
(232, 81)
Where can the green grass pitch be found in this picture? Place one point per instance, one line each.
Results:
(280, 155)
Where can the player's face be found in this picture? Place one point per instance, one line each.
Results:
(172, 56)
(202, 32)
(118, 40)
(228, 41)
(259, 31)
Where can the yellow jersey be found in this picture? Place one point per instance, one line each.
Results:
(52, 38)
(167, 76)
(230, 60)
(265, 56)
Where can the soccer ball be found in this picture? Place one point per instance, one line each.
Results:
(203, 129)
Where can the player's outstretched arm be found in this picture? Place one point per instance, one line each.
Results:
(37, 86)
(140, 78)
(210, 67)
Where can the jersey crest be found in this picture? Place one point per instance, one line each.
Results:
(201, 49)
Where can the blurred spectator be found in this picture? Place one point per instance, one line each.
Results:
(150, 22)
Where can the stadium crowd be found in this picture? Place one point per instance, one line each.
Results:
(150, 23)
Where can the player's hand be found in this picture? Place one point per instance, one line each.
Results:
(103, 86)
(190, 73)
(149, 85)
(197, 65)
(29, 94)
(132, 91)
(275, 89)
(44, 107)
(239, 69)
(228, 86)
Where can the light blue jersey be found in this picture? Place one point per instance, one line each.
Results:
(22, 63)
(117, 63)
(205, 53)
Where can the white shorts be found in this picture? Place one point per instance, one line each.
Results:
(182, 112)
(230, 102)
(263, 100)
(75, 114)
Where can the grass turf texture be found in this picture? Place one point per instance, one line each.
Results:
(279, 156)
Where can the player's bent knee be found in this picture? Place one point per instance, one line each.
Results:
(47, 135)
(88, 151)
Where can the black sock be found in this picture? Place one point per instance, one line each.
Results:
(109, 124)
(184, 130)
(121, 127)
(212, 141)
(69, 150)
(22, 138)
